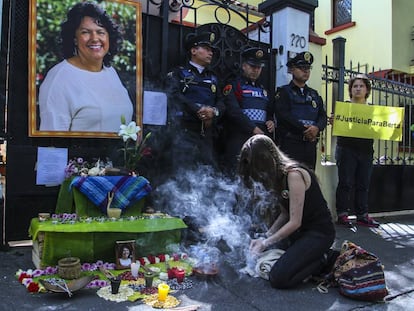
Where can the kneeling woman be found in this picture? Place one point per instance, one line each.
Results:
(304, 222)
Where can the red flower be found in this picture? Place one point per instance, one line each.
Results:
(141, 261)
(33, 287)
(176, 257)
(161, 257)
(151, 259)
(24, 275)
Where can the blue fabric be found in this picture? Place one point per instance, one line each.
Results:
(126, 189)
(304, 107)
(253, 100)
(201, 88)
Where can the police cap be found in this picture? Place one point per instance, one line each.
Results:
(302, 59)
(203, 39)
(255, 56)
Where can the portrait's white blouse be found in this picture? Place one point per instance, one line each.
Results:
(73, 99)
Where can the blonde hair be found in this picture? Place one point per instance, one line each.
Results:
(262, 161)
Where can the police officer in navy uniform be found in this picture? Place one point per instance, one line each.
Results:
(300, 113)
(249, 110)
(196, 104)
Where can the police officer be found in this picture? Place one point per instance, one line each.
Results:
(248, 108)
(195, 103)
(299, 112)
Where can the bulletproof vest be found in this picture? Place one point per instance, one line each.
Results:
(199, 88)
(253, 100)
(304, 107)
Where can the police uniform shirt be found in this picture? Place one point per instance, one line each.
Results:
(191, 89)
(296, 108)
(248, 105)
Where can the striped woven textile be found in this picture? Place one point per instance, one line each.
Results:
(126, 189)
(359, 274)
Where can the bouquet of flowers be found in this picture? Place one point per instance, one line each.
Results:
(80, 167)
(134, 144)
(77, 166)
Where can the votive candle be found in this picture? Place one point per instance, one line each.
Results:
(180, 274)
(134, 269)
(163, 290)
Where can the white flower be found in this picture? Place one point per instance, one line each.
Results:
(129, 131)
(94, 171)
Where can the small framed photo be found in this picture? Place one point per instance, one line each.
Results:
(124, 254)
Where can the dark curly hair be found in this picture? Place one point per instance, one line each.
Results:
(73, 20)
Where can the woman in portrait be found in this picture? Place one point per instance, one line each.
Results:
(83, 92)
(124, 259)
(304, 227)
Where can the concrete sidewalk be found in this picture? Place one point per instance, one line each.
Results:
(393, 242)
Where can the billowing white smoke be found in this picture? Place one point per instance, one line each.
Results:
(220, 206)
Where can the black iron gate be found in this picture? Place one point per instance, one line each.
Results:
(162, 50)
(392, 181)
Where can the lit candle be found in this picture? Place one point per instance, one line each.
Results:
(180, 274)
(134, 269)
(163, 290)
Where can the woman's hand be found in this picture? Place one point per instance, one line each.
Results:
(257, 246)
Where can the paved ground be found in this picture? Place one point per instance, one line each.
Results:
(393, 243)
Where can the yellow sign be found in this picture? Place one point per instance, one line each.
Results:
(368, 121)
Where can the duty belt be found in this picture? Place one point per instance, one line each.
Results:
(298, 137)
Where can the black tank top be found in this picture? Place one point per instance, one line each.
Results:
(316, 214)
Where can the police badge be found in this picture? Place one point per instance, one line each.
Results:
(314, 105)
(212, 37)
(227, 89)
(213, 88)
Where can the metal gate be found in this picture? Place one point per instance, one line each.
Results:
(392, 181)
(166, 25)
(385, 92)
(165, 33)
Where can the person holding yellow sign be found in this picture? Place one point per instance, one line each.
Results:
(354, 158)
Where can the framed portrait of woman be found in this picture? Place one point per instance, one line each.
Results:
(124, 254)
(85, 67)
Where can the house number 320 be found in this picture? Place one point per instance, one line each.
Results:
(297, 41)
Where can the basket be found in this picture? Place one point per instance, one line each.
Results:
(69, 268)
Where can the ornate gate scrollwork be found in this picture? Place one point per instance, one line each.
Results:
(230, 42)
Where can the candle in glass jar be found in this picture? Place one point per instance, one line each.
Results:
(134, 269)
(180, 274)
(163, 290)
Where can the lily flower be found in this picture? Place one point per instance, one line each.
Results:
(129, 131)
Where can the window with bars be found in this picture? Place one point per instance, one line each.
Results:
(342, 12)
